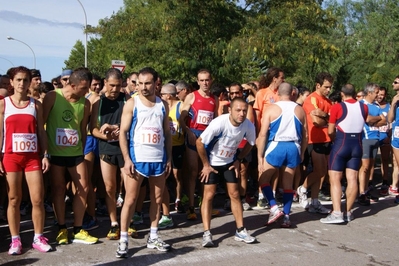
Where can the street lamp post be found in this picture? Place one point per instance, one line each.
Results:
(7, 60)
(34, 56)
(84, 11)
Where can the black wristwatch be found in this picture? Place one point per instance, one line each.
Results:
(46, 155)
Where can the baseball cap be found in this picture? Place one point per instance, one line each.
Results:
(66, 72)
(35, 73)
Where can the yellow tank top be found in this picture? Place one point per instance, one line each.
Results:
(175, 129)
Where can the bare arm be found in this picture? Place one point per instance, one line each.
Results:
(1, 133)
(250, 114)
(48, 103)
(319, 118)
(300, 112)
(42, 136)
(126, 121)
(83, 124)
(207, 168)
(392, 110)
(168, 140)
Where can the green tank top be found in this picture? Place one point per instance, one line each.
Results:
(63, 127)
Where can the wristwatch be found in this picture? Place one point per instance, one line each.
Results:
(46, 155)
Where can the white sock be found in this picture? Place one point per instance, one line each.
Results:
(154, 232)
(124, 237)
(36, 237)
(114, 224)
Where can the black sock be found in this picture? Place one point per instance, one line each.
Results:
(61, 226)
(76, 229)
(240, 229)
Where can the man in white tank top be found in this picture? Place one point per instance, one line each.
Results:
(282, 142)
(146, 146)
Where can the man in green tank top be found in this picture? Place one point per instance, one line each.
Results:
(66, 112)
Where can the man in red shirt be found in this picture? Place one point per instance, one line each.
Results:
(317, 108)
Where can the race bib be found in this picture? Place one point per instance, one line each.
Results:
(173, 127)
(227, 153)
(150, 136)
(396, 132)
(24, 142)
(66, 137)
(204, 117)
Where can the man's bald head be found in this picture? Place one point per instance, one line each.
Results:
(285, 89)
(169, 88)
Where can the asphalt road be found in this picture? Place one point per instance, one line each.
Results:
(371, 239)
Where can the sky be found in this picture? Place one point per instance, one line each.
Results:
(50, 27)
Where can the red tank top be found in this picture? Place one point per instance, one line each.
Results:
(202, 111)
(20, 128)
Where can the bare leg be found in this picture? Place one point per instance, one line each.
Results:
(206, 206)
(14, 185)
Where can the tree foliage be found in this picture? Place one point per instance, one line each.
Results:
(238, 41)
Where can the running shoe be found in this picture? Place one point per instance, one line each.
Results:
(132, 231)
(302, 197)
(215, 213)
(165, 222)
(191, 215)
(363, 200)
(184, 200)
(138, 218)
(261, 204)
(286, 222)
(244, 237)
(83, 237)
(349, 217)
(323, 196)
(102, 210)
(393, 191)
(318, 208)
(122, 250)
(245, 205)
(15, 247)
(158, 244)
(114, 233)
(119, 201)
(384, 190)
(179, 208)
(90, 224)
(333, 219)
(62, 237)
(274, 216)
(207, 240)
(41, 244)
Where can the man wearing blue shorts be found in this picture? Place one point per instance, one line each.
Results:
(146, 145)
(282, 142)
(370, 142)
(345, 129)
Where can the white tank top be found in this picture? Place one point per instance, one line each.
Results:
(287, 127)
(147, 131)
